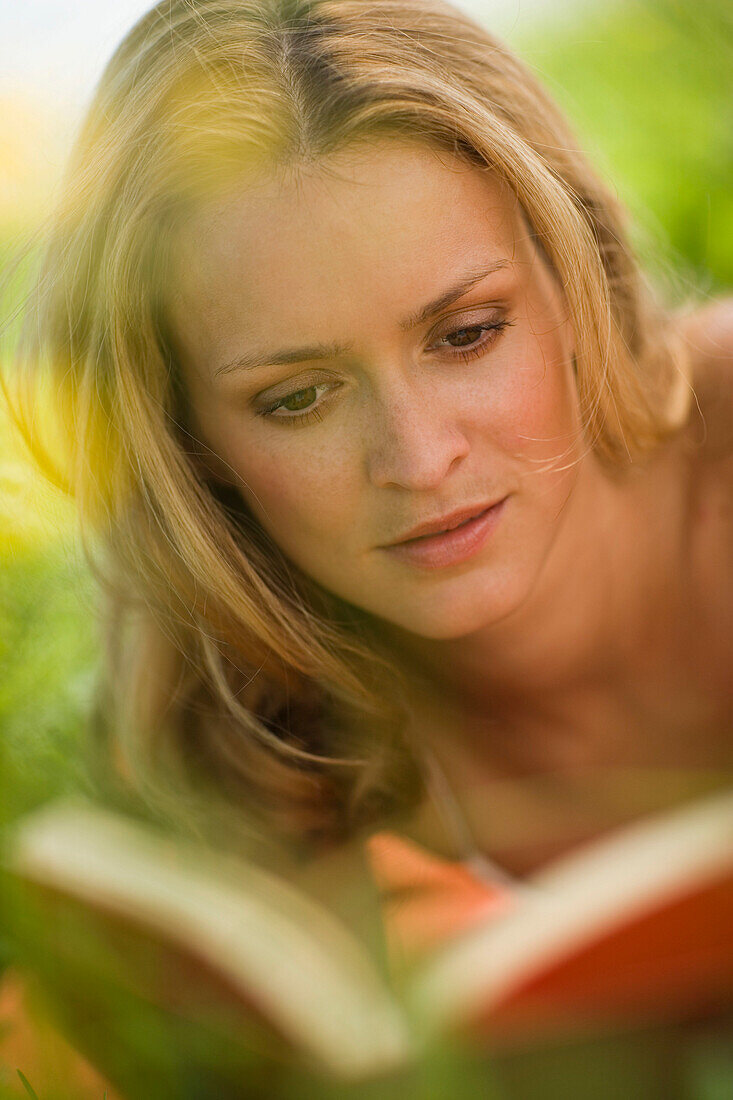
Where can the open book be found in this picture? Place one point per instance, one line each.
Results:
(635, 927)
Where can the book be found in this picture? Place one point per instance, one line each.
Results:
(633, 928)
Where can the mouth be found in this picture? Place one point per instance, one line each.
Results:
(451, 522)
(448, 541)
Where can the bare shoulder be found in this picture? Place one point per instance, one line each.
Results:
(708, 337)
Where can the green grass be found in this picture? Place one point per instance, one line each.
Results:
(48, 653)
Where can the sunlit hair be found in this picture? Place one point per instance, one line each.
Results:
(229, 672)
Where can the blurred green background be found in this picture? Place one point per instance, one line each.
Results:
(647, 84)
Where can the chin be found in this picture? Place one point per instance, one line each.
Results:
(463, 609)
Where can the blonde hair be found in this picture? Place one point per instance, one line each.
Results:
(228, 668)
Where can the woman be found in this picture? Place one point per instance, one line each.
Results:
(414, 505)
(414, 502)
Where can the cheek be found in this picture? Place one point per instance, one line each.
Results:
(296, 497)
(540, 416)
(537, 416)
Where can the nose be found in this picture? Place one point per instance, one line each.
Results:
(414, 444)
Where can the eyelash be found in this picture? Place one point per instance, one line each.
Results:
(493, 331)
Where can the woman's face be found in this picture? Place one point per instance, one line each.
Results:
(373, 344)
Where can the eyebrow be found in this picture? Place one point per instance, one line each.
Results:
(251, 360)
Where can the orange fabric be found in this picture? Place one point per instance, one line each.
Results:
(427, 900)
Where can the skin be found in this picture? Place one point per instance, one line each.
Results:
(563, 633)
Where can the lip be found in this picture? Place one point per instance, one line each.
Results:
(444, 523)
(450, 540)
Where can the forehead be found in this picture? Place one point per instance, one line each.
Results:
(375, 227)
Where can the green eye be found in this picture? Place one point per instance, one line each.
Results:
(299, 406)
(296, 402)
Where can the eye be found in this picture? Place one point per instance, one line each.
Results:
(470, 341)
(466, 336)
(298, 405)
(298, 401)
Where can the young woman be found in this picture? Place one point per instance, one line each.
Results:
(414, 504)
